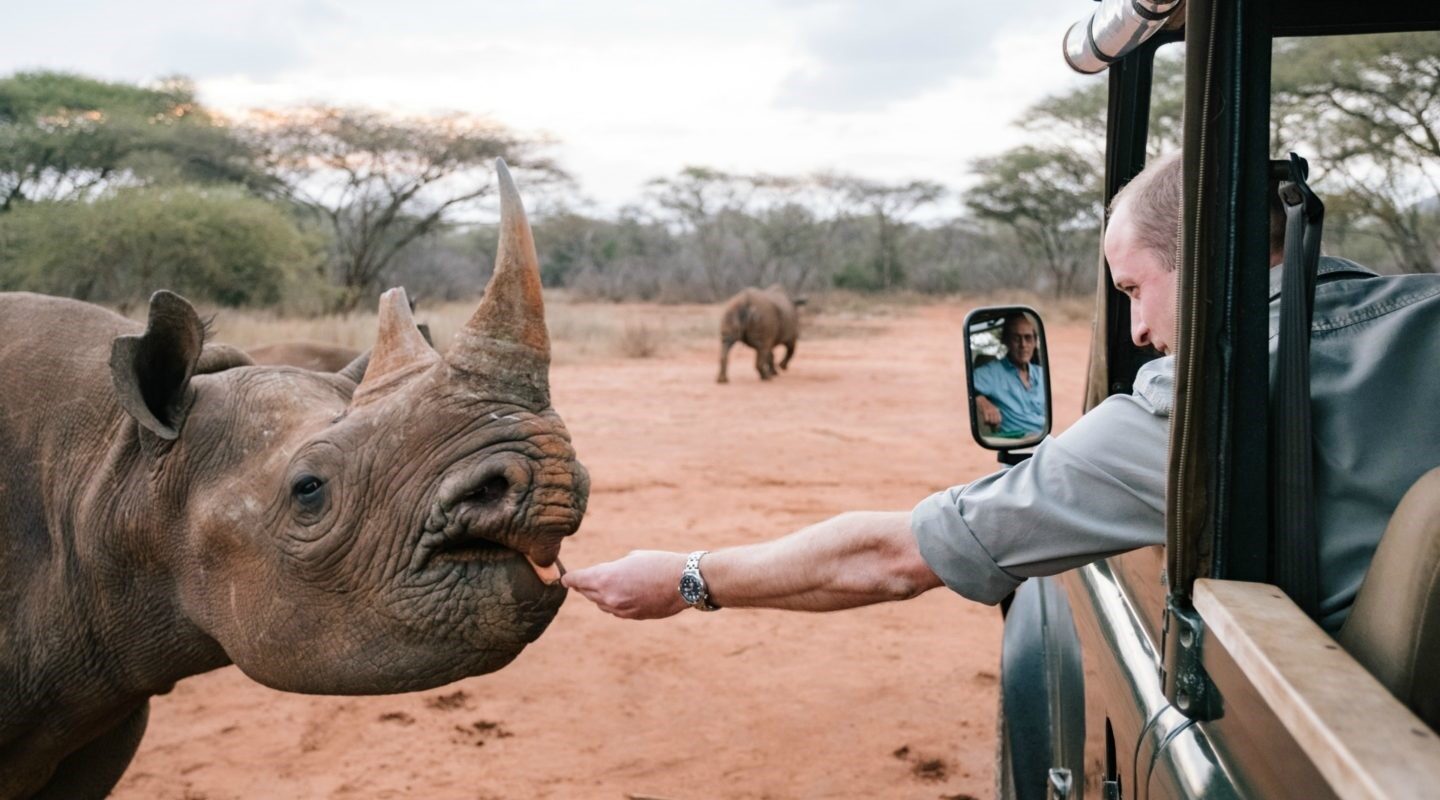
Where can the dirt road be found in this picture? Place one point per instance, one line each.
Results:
(895, 701)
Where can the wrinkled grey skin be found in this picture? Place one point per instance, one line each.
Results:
(762, 319)
(166, 510)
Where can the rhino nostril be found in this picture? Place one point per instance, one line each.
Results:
(491, 491)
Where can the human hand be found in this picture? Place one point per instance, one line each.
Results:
(989, 414)
(643, 585)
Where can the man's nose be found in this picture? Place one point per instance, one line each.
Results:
(1139, 331)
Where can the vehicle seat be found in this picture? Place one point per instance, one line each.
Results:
(1394, 628)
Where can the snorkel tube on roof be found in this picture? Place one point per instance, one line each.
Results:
(1114, 29)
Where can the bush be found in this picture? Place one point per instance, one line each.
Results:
(639, 340)
(858, 278)
(215, 245)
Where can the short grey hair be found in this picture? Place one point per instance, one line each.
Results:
(1013, 319)
(1158, 190)
(1153, 197)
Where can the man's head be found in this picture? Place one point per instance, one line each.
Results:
(1018, 334)
(1142, 243)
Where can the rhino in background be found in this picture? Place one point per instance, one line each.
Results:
(762, 319)
(318, 356)
(166, 510)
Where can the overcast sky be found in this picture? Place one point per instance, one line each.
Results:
(886, 89)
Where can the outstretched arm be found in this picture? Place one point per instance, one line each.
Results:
(854, 559)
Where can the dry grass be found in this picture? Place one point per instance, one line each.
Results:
(845, 305)
(578, 330)
(581, 331)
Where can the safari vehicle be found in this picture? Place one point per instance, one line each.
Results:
(1186, 671)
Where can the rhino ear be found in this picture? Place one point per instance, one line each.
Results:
(152, 371)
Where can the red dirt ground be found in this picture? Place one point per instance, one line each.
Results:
(893, 701)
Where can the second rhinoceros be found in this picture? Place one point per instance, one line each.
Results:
(763, 319)
(166, 509)
(318, 356)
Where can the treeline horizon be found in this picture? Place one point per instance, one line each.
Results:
(110, 190)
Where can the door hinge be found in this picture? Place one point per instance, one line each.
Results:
(1187, 686)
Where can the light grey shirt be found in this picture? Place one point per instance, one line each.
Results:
(1098, 489)
(1094, 491)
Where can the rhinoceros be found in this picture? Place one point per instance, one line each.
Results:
(763, 319)
(166, 510)
(319, 356)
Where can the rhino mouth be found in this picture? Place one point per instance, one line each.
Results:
(479, 549)
(473, 528)
(468, 549)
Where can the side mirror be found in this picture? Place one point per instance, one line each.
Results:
(1008, 377)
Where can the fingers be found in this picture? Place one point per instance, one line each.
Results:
(642, 585)
(989, 414)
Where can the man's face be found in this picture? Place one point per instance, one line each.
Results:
(1140, 273)
(1020, 342)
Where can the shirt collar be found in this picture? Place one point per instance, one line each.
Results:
(1330, 267)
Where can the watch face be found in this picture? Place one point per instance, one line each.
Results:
(691, 589)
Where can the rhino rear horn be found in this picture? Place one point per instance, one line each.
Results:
(355, 370)
(504, 349)
(400, 350)
(152, 371)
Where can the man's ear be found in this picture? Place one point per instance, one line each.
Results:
(152, 371)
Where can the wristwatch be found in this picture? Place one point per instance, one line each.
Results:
(692, 584)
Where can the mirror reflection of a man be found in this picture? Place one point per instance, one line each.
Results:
(1010, 391)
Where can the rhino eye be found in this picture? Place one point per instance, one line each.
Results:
(308, 490)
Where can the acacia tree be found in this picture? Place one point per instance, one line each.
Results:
(1075, 120)
(888, 204)
(1368, 108)
(710, 206)
(380, 181)
(1050, 199)
(68, 137)
(1047, 194)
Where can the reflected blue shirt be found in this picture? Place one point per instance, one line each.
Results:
(1022, 411)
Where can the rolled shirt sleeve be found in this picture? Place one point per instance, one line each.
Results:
(1094, 491)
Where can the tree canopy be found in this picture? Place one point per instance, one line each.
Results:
(380, 181)
(109, 190)
(68, 137)
(1368, 108)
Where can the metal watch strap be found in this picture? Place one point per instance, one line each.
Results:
(692, 567)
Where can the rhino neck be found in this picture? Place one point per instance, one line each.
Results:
(141, 556)
(113, 570)
(88, 618)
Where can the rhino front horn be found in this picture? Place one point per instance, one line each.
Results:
(505, 347)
